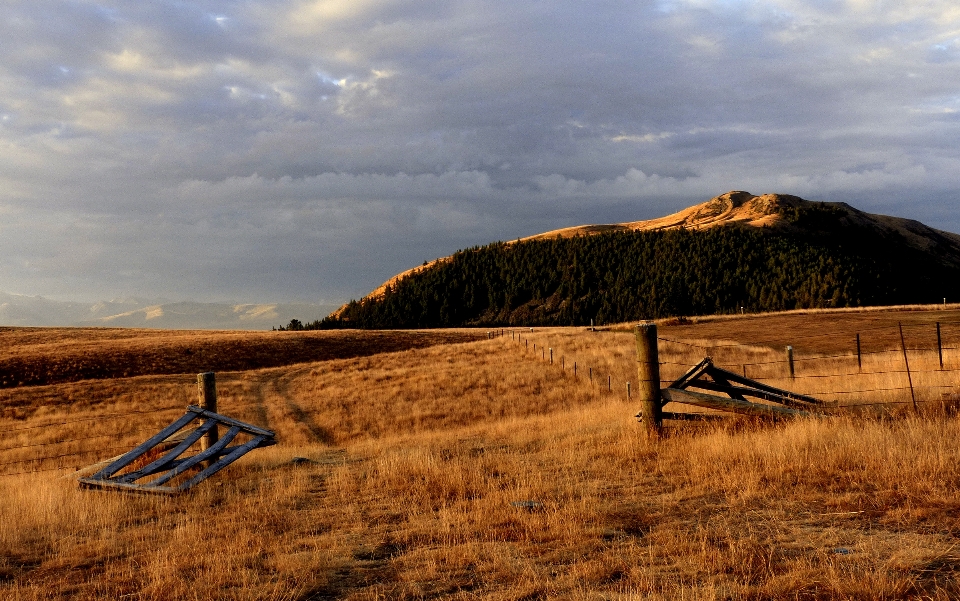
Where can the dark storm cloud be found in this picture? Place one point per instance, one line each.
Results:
(310, 149)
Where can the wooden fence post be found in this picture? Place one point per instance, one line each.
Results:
(648, 376)
(551, 355)
(790, 360)
(207, 391)
(859, 356)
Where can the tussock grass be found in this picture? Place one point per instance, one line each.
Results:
(479, 471)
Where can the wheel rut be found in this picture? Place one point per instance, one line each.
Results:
(292, 419)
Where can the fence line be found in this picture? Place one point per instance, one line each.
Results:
(207, 401)
(789, 339)
(577, 367)
(54, 442)
(87, 419)
(45, 469)
(754, 348)
(860, 373)
(833, 375)
(43, 458)
(62, 456)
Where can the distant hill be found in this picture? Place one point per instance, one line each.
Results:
(20, 310)
(738, 250)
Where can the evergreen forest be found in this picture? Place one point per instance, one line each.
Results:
(630, 276)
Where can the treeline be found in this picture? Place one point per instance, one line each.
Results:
(632, 276)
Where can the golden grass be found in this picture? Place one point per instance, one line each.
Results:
(479, 471)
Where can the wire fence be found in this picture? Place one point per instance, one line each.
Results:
(56, 454)
(908, 364)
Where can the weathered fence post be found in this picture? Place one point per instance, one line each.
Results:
(207, 391)
(790, 360)
(648, 376)
(551, 356)
(859, 356)
(628, 391)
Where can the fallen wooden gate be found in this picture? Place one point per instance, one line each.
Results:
(172, 446)
(707, 376)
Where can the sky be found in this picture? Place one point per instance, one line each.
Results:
(307, 150)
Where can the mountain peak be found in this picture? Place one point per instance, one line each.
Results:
(736, 206)
(735, 197)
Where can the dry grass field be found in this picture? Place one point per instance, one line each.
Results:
(477, 470)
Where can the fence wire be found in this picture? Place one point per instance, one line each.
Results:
(54, 443)
(79, 420)
(862, 378)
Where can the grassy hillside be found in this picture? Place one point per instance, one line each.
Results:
(816, 260)
(36, 356)
(477, 470)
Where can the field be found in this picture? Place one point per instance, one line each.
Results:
(451, 465)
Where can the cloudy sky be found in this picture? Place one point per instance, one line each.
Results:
(263, 151)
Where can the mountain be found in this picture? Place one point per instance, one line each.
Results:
(19, 310)
(734, 252)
